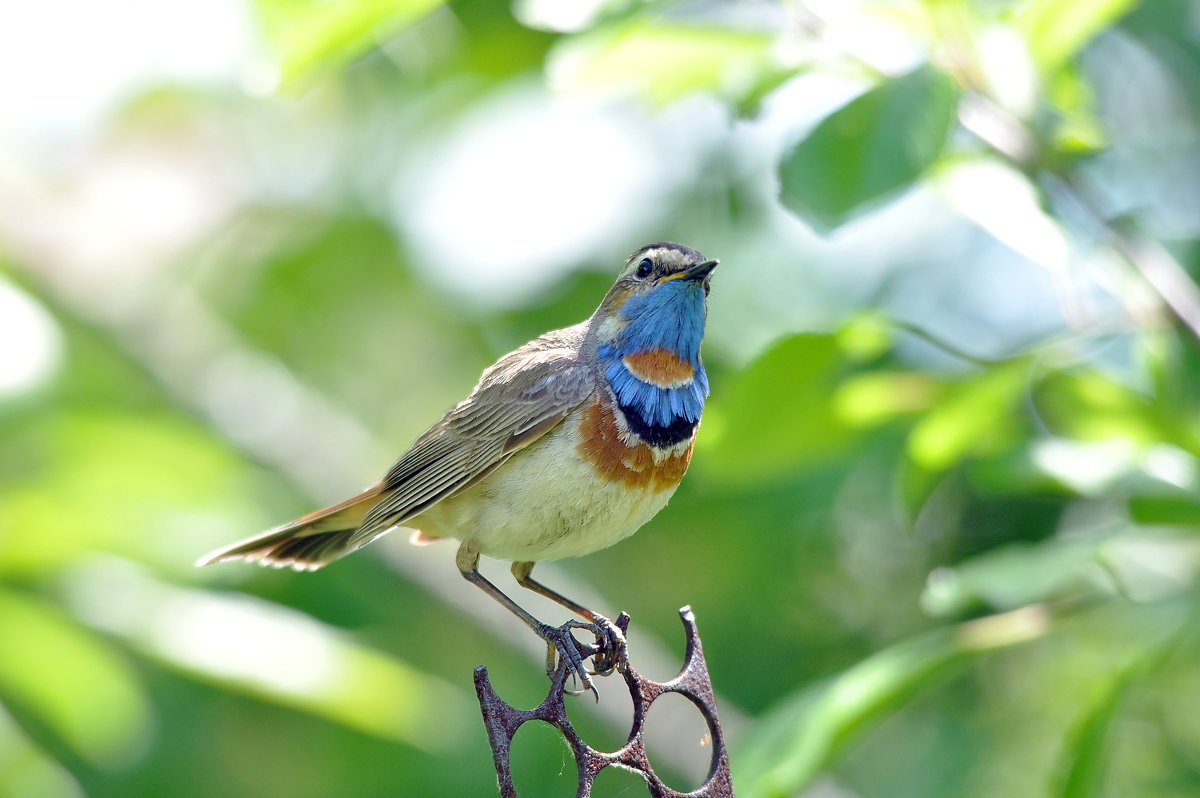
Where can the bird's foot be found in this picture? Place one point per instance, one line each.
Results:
(608, 651)
(613, 652)
(561, 644)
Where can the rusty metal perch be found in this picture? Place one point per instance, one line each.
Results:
(502, 721)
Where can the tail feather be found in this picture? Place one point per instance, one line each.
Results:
(307, 543)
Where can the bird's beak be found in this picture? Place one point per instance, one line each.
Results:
(697, 272)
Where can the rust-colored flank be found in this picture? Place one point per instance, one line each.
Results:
(615, 461)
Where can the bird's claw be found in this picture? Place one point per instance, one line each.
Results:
(608, 651)
(612, 651)
(560, 643)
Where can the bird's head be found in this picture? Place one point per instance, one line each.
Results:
(657, 302)
(648, 331)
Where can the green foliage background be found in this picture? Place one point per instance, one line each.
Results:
(940, 531)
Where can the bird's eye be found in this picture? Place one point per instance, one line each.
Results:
(645, 267)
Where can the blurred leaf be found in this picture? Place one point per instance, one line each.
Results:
(108, 473)
(775, 415)
(973, 417)
(336, 328)
(1006, 203)
(1086, 749)
(1181, 509)
(313, 35)
(1079, 130)
(792, 744)
(1086, 752)
(27, 770)
(1019, 474)
(273, 653)
(71, 681)
(1090, 406)
(876, 397)
(1171, 358)
(866, 336)
(1150, 565)
(1009, 577)
(1058, 29)
(662, 61)
(916, 486)
(870, 149)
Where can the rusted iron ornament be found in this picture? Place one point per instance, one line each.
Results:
(502, 721)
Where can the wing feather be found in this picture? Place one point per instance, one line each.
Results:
(520, 398)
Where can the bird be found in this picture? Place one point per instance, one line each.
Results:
(567, 445)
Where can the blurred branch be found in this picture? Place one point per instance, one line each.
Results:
(945, 346)
(1015, 142)
(1040, 345)
(1009, 138)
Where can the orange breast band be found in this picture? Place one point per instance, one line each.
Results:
(614, 460)
(660, 367)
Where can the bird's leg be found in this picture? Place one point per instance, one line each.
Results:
(610, 638)
(558, 638)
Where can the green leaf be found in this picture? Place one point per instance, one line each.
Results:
(876, 397)
(70, 680)
(26, 769)
(776, 415)
(866, 336)
(103, 474)
(1058, 29)
(794, 743)
(1011, 576)
(660, 62)
(1091, 406)
(970, 419)
(274, 653)
(311, 35)
(870, 149)
(1179, 509)
(1085, 751)
(1079, 130)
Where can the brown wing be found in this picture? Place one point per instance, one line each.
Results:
(523, 396)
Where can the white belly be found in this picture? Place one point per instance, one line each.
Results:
(543, 504)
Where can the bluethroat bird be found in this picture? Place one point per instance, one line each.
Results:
(567, 445)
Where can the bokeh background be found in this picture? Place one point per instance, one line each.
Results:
(940, 530)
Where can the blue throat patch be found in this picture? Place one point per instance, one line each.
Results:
(670, 317)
